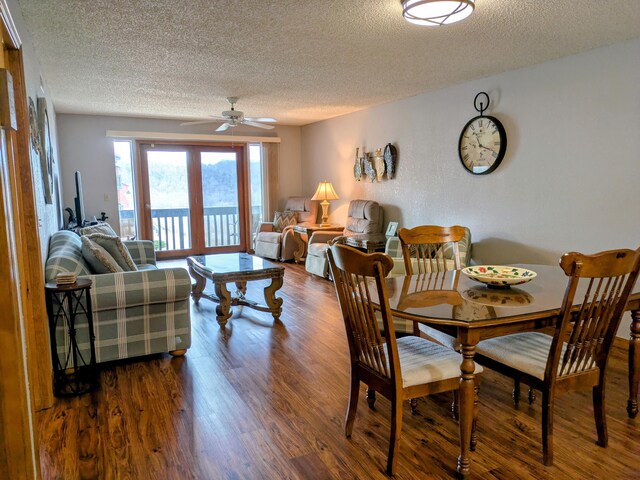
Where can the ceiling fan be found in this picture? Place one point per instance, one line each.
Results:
(233, 118)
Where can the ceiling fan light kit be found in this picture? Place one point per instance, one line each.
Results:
(233, 118)
(436, 12)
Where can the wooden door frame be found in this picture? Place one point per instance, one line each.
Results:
(196, 210)
(25, 363)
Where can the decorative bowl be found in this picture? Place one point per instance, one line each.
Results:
(513, 297)
(496, 276)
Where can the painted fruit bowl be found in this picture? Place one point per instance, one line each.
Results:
(495, 276)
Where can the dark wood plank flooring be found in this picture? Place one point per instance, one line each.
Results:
(267, 401)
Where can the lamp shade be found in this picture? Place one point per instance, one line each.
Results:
(436, 12)
(325, 191)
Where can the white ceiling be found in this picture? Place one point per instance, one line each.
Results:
(299, 61)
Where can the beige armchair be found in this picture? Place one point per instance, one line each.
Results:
(363, 216)
(281, 245)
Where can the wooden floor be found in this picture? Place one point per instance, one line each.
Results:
(267, 401)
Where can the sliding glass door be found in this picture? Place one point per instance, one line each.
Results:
(194, 198)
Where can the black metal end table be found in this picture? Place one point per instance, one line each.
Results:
(73, 373)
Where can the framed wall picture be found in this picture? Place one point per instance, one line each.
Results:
(45, 150)
(392, 229)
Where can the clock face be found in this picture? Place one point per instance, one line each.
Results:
(483, 143)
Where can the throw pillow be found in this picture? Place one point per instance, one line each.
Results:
(98, 258)
(284, 219)
(103, 227)
(114, 246)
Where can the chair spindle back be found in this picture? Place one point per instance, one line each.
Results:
(586, 335)
(356, 276)
(426, 245)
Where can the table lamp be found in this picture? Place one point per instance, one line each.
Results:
(325, 192)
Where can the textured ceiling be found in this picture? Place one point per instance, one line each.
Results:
(299, 61)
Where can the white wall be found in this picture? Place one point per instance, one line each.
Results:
(48, 214)
(84, 146)
(569, 180)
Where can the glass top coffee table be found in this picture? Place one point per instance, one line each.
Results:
(238, 268)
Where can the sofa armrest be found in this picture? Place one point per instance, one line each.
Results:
(324, 236)
(141, 251)
(129, 289)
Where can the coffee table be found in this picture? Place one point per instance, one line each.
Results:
(238, 268)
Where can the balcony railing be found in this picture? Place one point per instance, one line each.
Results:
(171, 226)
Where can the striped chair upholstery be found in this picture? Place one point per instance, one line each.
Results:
(527, 352)
(134, 313)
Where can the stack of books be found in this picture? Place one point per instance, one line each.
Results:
(66, 278)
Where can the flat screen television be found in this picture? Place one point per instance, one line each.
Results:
(79, 201)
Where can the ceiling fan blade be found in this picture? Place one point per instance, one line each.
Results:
(199, 122)
(223, 127)
(261, 119)
(256, 124)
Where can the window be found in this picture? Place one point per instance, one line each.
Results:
(256, 183)
(125, 187)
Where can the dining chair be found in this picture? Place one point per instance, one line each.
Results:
(575, 357)
(424, 250)
(399, 369)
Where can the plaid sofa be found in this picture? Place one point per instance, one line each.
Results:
(134, 313)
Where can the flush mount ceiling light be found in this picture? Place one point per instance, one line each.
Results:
(436, 12)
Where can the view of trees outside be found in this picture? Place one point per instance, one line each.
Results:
(219, 179)
(168, 179)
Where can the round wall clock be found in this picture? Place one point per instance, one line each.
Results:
(483, 141)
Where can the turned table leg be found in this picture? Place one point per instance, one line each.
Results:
(467, 394)
(634, 364)
(223, 309)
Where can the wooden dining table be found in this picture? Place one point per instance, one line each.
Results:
(462, 307)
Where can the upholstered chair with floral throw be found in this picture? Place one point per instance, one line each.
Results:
(275, 239)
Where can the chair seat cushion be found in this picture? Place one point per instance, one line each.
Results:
(422, 361)
(269, 237)
(527, 352)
